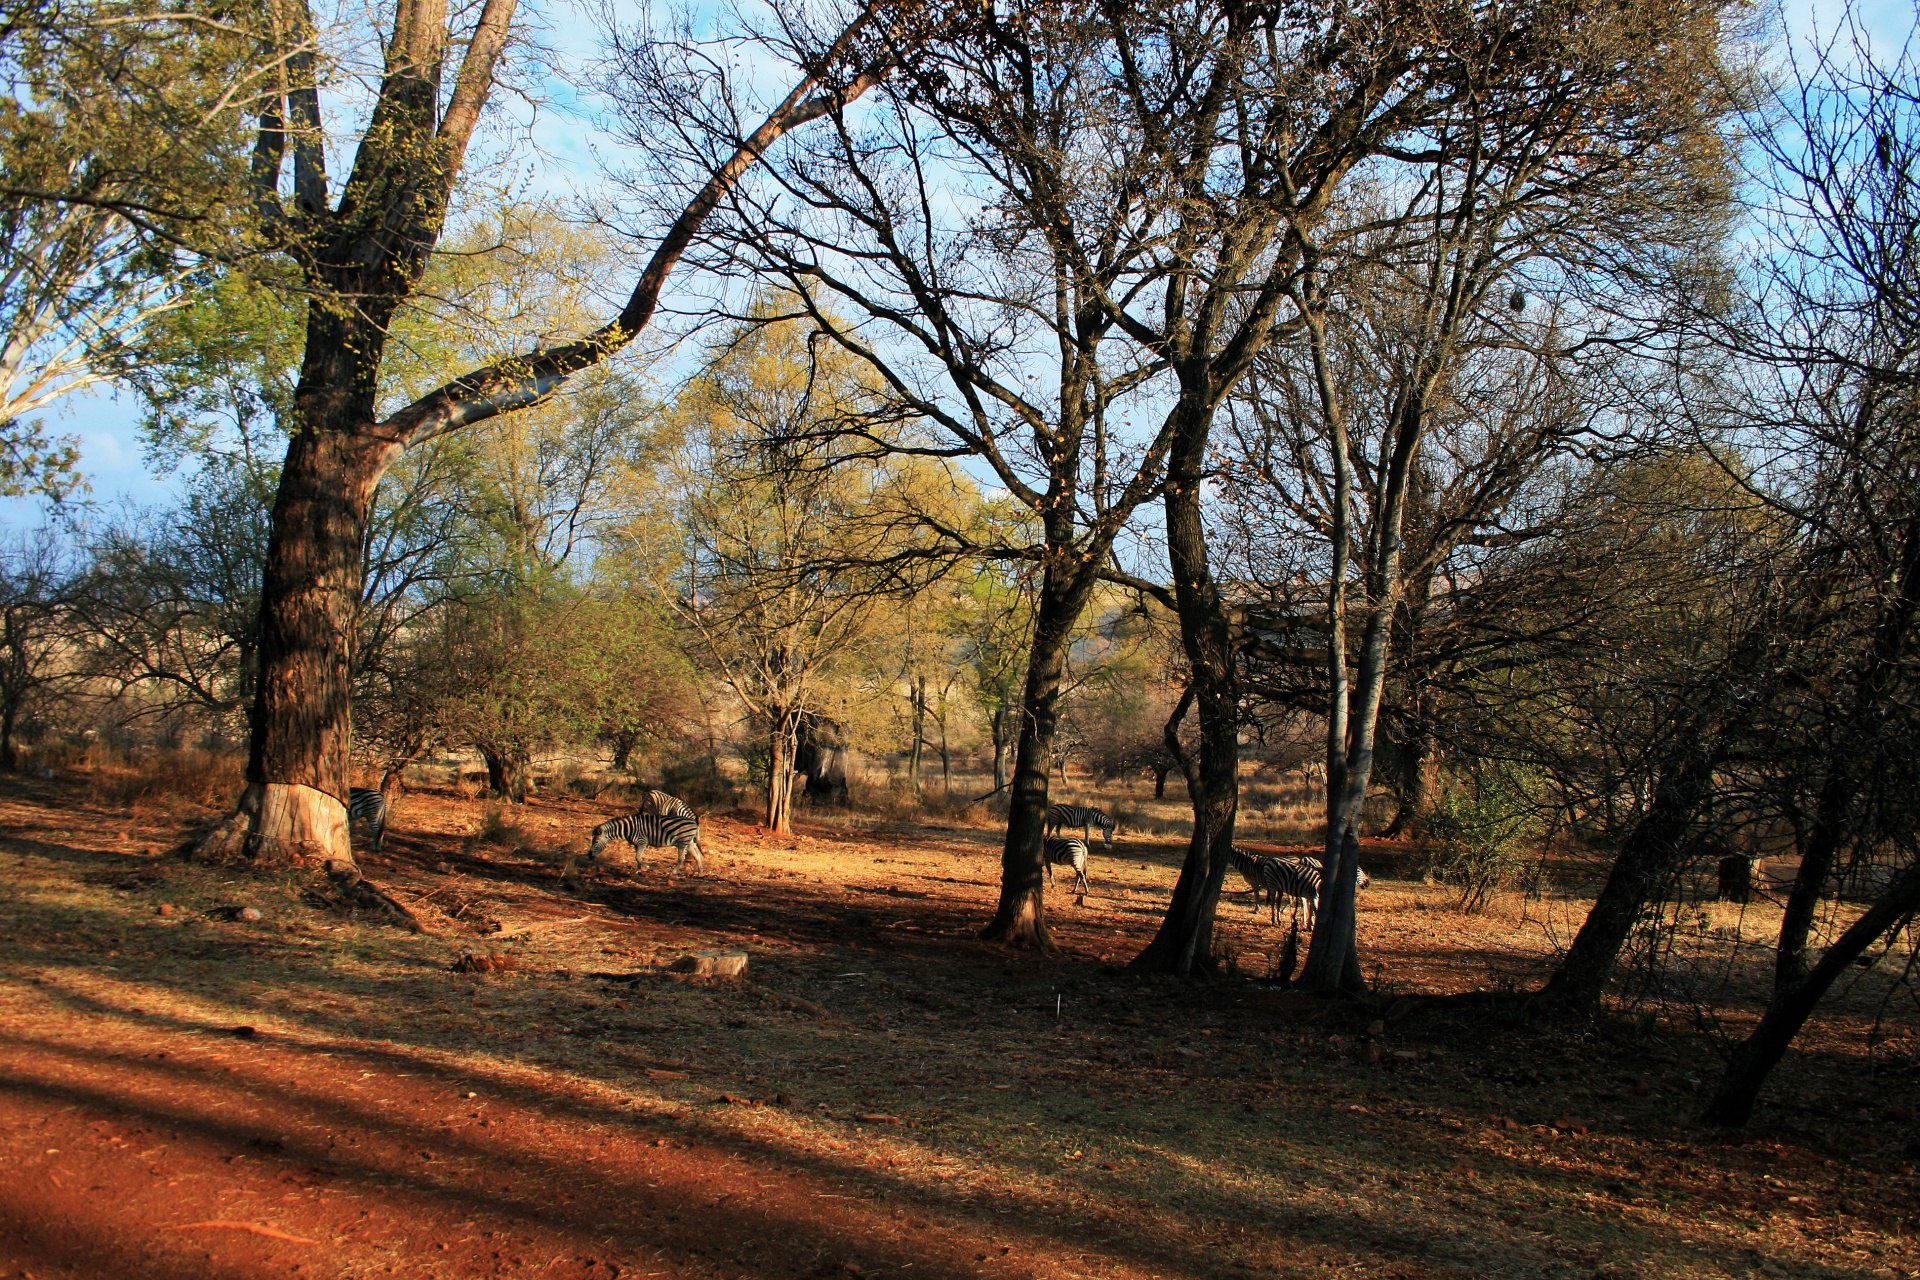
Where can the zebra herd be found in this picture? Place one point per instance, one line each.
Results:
(664, 821)
(1295, 881)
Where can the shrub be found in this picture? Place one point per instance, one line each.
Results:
(500, 825)
(1481, 830)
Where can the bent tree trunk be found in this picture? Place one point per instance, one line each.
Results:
(294, 807)
(1020, 917)
(1648, 859)
(1793, 1002)
(1184, 943)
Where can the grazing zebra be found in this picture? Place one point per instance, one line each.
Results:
(1069, 851)
(1264, 875)
(645, 830)
(1298, 881)
(1294, 880)
(666, 806)
(370, 807)
(1062, 816)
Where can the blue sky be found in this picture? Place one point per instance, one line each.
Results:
(564, 159)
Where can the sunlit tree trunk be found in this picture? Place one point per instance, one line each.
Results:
(783, 741)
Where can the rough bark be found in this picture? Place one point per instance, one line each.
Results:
(280, 824)
(1793, 1002)
(1184, 943)
(1020, 917)
(1652, 852)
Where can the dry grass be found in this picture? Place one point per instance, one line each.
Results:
(1083, 1121)
(171, 779)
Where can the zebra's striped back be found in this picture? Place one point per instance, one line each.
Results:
(1063, 816)
(665, 805)
(644, 830)
(1298, 881)
(1362, 883)
(370, 807)
(1068, 851)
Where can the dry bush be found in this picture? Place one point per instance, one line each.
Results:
(500, 826)
(190, 776)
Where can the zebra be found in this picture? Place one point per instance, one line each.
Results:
(1062, 816)
(364, 805)
(645, 830)
(1294, 880)
(1069, 851)
(1256, 870)
(665, 805)
(1361, 883)
(1298, 881)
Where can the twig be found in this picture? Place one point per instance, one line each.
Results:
(252, 1227)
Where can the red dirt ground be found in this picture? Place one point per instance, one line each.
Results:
(185, 1095)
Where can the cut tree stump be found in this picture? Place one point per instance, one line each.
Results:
(712, 964)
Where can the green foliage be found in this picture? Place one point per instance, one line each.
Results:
(124, 142)
(1483, 831)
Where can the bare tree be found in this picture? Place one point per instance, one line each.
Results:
(963, 239)
(1411, 296)
(1835, 321)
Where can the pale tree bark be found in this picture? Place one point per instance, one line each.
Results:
(782, 742)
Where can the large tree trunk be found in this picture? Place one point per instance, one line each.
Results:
(1020, 917)
(1333, 958)
(1793, 1002)
(508, 772)
(1184, 943)
(1415, 769)
(1652, 852)
(294, 808)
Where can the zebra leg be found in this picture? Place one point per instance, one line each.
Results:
(1086, 885)
(1048, 867)
(692, 848)
(379, 832)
